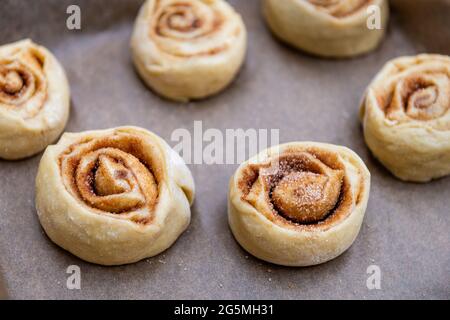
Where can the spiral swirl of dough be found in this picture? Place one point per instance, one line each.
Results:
(188, 49)
(294, 194)
(419, 90)
(34, 99)
(23, 86)
(191, 28)
(113, 196)
(406, 117)
(329, 28)
(111, 175)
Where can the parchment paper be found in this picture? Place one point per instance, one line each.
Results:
(406, 228)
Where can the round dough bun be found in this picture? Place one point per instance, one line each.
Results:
(406, 117)
(190, 49)
(113, 196)
(300, 203)
(34, 99)
(327, 28)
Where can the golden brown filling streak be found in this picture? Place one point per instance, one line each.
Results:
(181, 18)
(304, 189)
(114, 175)
(341, 8)
(23, 84)
(186, 22)
(421, 96)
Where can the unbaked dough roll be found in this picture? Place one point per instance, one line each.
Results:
(299, 204)
(113, 196)
(406, 117)
(34, 99)
(328, 28)
(188, 49)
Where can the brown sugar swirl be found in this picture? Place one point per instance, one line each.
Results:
(113, 175)
(23, 84)
(190, 28)
(419, 91)
(300, 203)
(183, 20)
(299, 188)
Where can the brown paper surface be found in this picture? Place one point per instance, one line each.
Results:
(406, 228)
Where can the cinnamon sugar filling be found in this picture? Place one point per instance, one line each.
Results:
(300, 189)
(23, 84)
(187, 23)
(421, 95)
(113, 175)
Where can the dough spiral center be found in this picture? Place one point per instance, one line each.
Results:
(423, 97)
(114, 181)
(306, 196)
(299, 187)
(12, 83)
(187, 20)
(186, 29)
(113, 175)
(23, 85)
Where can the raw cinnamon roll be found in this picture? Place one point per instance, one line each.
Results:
(113, 196)
(188, 49)
(300, 203)
(406, 117)
(34, 99)
(328, 28)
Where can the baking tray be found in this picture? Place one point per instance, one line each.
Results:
(406, 228)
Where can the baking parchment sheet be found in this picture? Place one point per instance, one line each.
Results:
(406, 228)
